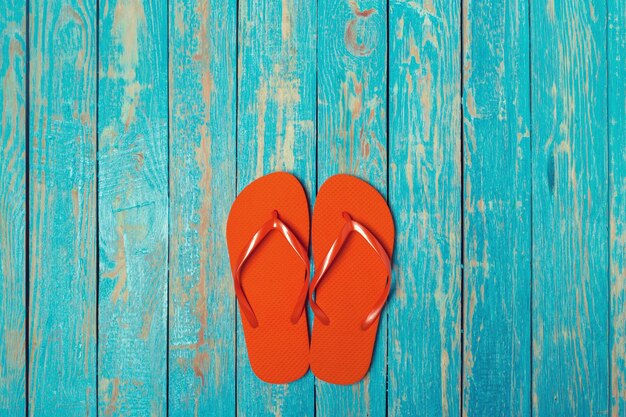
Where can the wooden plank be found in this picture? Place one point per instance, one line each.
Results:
(497, 192)
(616, 55)
(62, 368)
(352, 138)
(133, 207)
(425, 194)
(276, 132)
(570, 222)
(202, 53)
(12, 207)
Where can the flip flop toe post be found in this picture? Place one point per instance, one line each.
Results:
(268, 236)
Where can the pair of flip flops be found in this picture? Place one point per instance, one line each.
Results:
(352, 236)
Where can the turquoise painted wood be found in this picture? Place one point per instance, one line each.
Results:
(275, 132)
(616, 56)
(569, 209)
(12, 208)
(62, 210)
(496, 207)
(496, 130)
(133, 208)
(425, 195)
(352, 138)
(202, 85)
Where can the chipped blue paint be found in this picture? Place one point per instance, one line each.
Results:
(616, 50)
(275, 132)
(62, 144)
(570, 299)
(425, 196)
(497, 274)
(352, 138)
(12, 208)
(202, 89)
(133, 208)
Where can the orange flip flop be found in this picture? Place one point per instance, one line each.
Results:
(268, 236)
(352, 236)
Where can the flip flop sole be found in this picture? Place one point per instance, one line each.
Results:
(341, 352)
(272, 277)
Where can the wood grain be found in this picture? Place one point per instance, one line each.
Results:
(133, 208)
(570, 212)
(202, 69)
(276, 132)
(497, 193)
(352, 138)
(62, 144)
(12, 207)
(616, 55)
(425, 195)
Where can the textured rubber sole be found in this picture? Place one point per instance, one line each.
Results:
(273, 276)
(341, 352)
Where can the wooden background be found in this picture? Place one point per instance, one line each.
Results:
(496, 130)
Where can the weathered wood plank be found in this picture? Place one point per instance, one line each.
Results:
(12, 207)
(425, 195)
(616, 55)
(352, 138)
(62, 208)
(497, 192)
(133, 207)
(202, 53)
(570, 213)
(276, 132)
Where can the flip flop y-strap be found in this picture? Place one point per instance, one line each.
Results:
(349, 227)
(273, 224)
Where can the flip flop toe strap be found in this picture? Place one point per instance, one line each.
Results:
(273, 224)
(349, 227)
